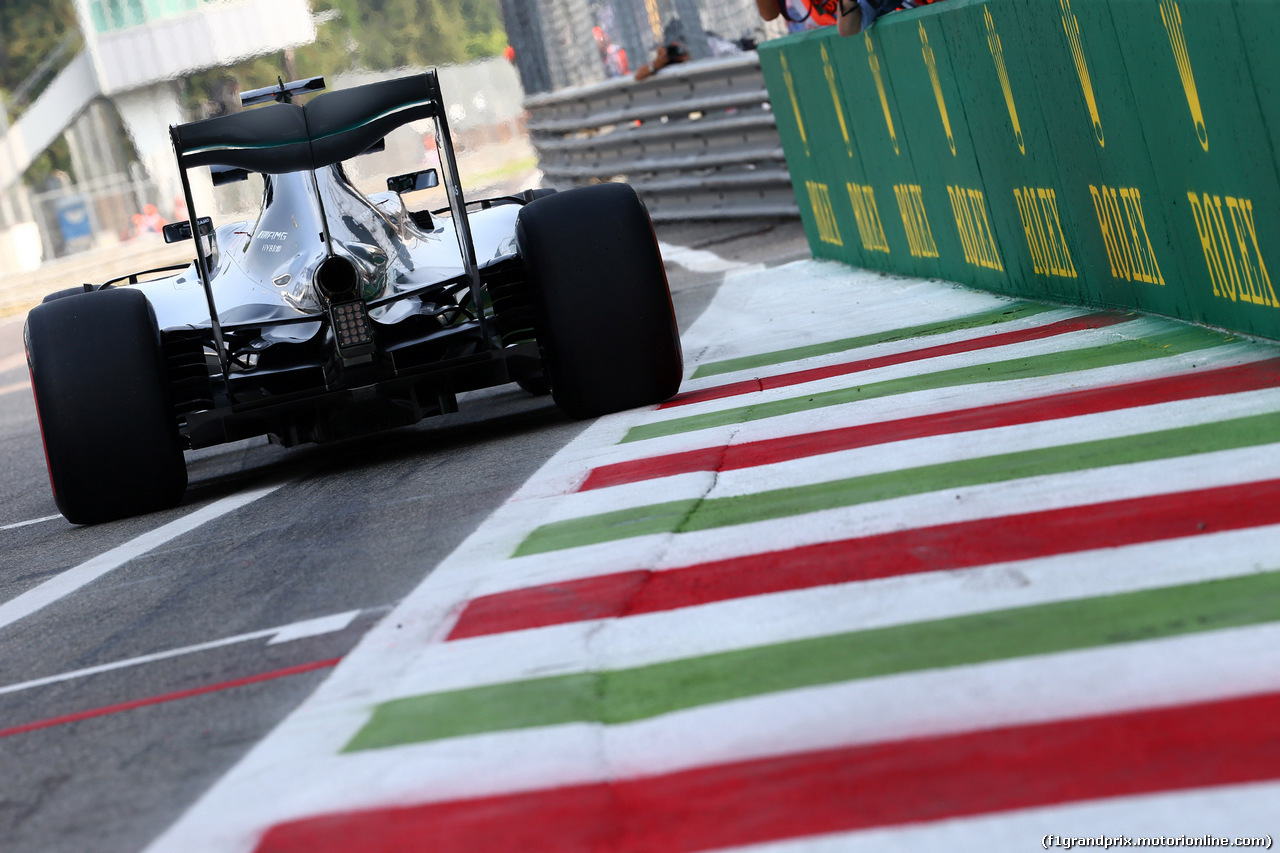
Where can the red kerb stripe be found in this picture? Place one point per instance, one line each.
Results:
(1227, 380)
(839, 790)
(733, 389)
(924, 549)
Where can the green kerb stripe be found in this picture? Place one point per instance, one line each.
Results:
(1107, 355)
(698, 514)
(1015, 311)
(635, 694)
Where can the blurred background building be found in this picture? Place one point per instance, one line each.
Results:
(560, 43)
(88, 88)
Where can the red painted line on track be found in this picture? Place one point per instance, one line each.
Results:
(748, 386)
(902, 552)
(839, 790)
(168, 697)
(1207, 383)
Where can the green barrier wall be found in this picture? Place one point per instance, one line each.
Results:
(1117, 153)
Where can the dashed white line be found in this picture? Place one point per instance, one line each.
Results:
(18, 524)
(57, 588)
(283, 634)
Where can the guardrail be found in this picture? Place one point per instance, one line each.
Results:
(697, 140)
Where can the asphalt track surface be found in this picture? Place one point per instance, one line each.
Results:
(199, 632)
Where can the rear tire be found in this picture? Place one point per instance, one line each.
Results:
(110, 435)
(602, 306)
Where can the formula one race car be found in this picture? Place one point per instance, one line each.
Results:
(336, 313)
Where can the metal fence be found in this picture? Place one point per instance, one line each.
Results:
(697, 141)
(74, 217)
(562, 43)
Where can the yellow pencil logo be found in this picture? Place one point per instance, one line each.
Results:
(835, 98)
(997, 53)
(795, 102)
(932, 64)
(1072, 28)
(655, 17)
(1172, 17)
(874, 61)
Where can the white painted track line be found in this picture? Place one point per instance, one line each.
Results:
(280, 634)
(59, 587)
(18, 524)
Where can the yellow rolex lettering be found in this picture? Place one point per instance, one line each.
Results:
(874, 62)
(1028, 227)
(1127, 240)
(1043, 236)
(932, 64)
(867, 214)
(1112, 201)
(1109, 239)
(991, 254)
(1232, 254)
(835, 98)
(911, 208)
(1172, 17)
(908, 221)
(1207, 245)
(1250, 283)
(1246, 212)
(1072, 28)
(1049, 201)
(969, 206)
(1213, 206)
(960, 210)
(1139, 269)
(1038, 208)
(823, 213)
(997, 54)
(795, 102)
(1146, 268)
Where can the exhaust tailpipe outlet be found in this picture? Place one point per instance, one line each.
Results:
(337, 279)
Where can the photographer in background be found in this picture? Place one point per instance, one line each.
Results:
(673, 50)
(667, 54)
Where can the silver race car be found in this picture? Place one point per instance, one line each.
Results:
(336, 313)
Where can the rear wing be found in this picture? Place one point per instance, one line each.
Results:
(286, 137)
(335, 126)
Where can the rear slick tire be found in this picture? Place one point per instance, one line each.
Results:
(602, 305)
(110, 434)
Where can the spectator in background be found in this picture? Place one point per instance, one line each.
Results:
(850, 16)
(613, 57)
(858, 15)
(800, 15)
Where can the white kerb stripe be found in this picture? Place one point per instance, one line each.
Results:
(71, 580)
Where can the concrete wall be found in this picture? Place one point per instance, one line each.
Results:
(1114, 152)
